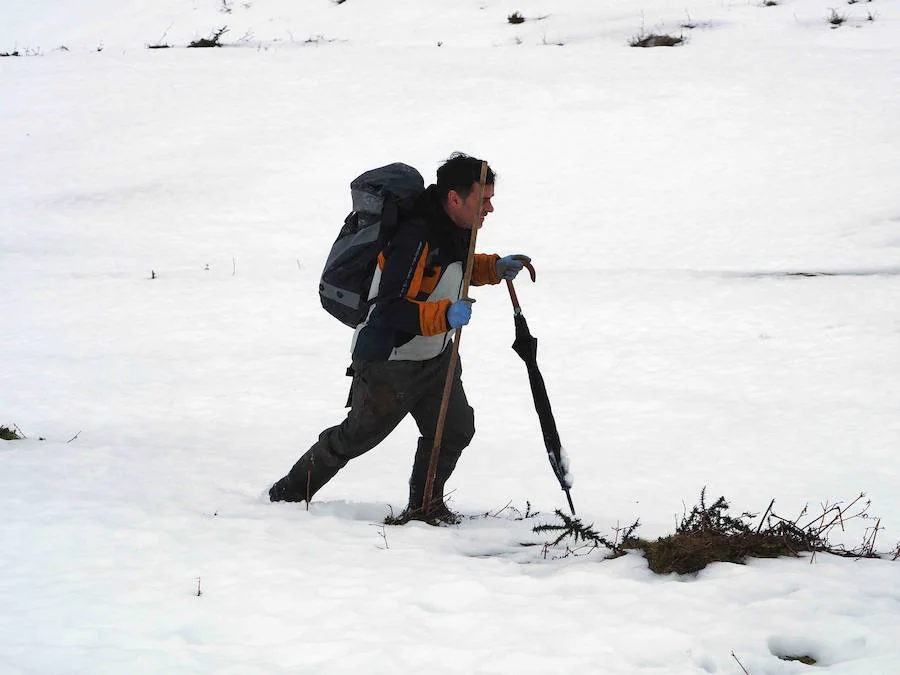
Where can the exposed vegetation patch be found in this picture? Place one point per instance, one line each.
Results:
(654, 40)
(9, 434)
(161, 42)
(214, 40)
(806, 660)
(708, 533)
(836, 19)
(517, 17)
(28, 51)
(319, 40)
(684, 553)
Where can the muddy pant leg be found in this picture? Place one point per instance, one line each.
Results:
(378, 402)
(459, 428)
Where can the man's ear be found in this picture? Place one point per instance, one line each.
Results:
(453, 199)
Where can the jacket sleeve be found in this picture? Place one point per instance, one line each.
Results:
(402, 269)
(484, 269)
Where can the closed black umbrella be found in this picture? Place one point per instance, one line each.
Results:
(525, 345)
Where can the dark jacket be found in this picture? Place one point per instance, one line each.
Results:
(419, 275)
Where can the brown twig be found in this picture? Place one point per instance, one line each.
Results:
(739, 663)
(382, 532)
(497, 513)
(763, 519)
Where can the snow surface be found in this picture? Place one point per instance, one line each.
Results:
(664, 194)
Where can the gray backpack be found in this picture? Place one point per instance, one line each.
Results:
(380, 199)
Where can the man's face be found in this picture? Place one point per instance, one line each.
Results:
(464, 211)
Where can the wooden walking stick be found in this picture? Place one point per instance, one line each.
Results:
(454, 353)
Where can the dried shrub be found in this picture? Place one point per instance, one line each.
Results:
(9, 434)
(836, 19)
(653, 40)
(708, 533)
(213, 41)
(685, 553)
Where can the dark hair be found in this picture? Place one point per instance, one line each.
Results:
(459, 173)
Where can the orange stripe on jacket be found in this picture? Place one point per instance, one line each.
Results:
(430, 283)
(433, 314)
(484, 269)
(433, 317)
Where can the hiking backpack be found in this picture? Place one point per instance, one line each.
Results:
(379, 197)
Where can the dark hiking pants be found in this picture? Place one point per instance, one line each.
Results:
(381, 395)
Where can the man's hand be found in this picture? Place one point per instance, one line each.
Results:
(459, 313)
(509, 266)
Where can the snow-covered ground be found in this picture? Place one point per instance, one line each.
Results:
(665, 196)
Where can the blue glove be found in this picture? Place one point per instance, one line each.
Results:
(509, 266)
(459, 313)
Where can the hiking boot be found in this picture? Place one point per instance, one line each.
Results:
(286, 490)
(438, 514)
(305, 478)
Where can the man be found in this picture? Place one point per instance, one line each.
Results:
(401, 352)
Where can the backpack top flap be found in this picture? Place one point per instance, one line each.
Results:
(369, 190)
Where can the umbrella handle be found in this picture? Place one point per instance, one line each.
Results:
(517, 309)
